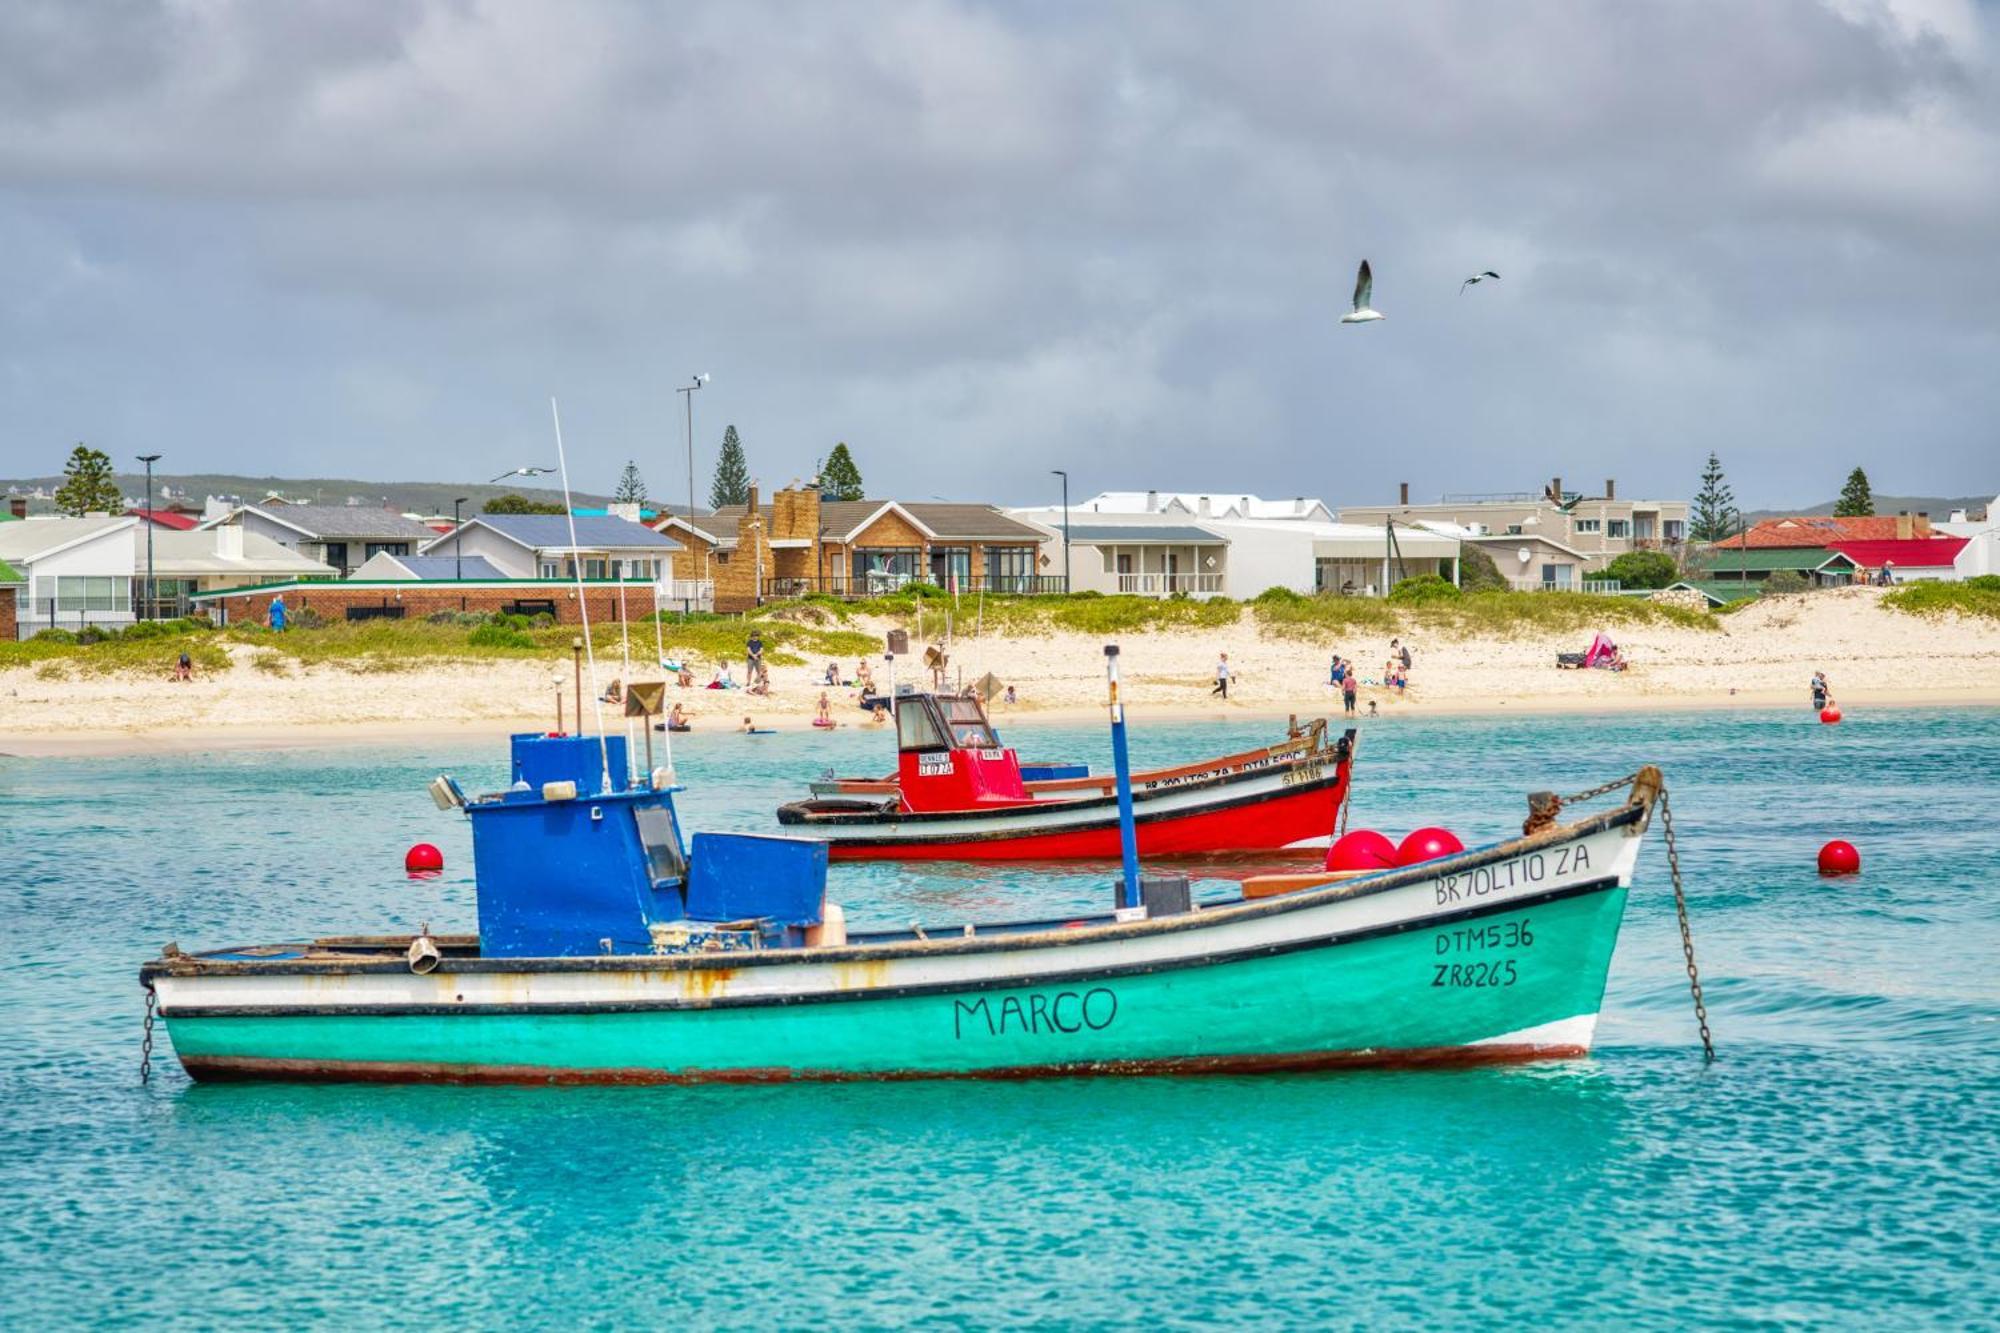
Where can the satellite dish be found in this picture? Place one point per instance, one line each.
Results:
(1524, 555)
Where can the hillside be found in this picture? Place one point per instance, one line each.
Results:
(423, 497)
(1938, 507)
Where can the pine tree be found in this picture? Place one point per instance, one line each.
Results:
(1856, 500)
(840, 479)
(88, 486)
(631, 486)
(732, 474)
(1714, 506)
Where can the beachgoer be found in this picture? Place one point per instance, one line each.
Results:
(832, 674)
(1010, 696)
(614, 693)
(685, 679)
(1403, 656)
(878, 715)
(278, 614)
(1821, 692)
(184, 669)
(825, 715)
(863, 677)
(1221, 676)
(728, 682)
(676, 719)
(1340, 672)
(748, 725)
(753, 656)
(1373, 711)
(1350, 688)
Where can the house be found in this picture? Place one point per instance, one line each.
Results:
(1589, 531)
(164, 518)
(1981, 552)
(188, 562)
(1202, 505)
(1821, 567)
(1800, 531)
(1885, 548)
(385, 567)
(75, 571)
(1151, 554)
(1537, 562)
(13, 588)
(1911, 561)
(343, 536)
(855, 548)
(549, 546)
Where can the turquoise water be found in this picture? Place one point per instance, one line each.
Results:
(1836, 1166)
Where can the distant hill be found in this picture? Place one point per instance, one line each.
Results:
(420, 497)
(1938, 507)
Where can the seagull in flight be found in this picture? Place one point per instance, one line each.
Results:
(522, 472)
(1364, 290)
(1477, 277)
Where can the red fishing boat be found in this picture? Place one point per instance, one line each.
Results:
(959, 795)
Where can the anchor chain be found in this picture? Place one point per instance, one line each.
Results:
(146, 1044)
(1687, 937)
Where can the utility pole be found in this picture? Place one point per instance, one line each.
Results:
(1058, 472)
(688, 392)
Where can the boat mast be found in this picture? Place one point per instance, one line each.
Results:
(582, 602)
(1121, 767)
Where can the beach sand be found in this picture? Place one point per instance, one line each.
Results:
(1762, 656)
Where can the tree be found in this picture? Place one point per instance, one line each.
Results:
(839, 479)
(732, 474)
(511, 503)
(1642, 569)
(88, 486)
(1714, 505)
(631, 486)
(1477, 572)
(1856, 500)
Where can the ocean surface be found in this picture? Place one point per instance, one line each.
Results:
(1839, 1164)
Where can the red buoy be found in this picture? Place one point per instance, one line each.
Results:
(423, 859)
(1839, 858)
(1829, 714)
(1427, 844)
(1361, 849)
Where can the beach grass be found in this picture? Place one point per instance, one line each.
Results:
(1978, 596)
(154, 653)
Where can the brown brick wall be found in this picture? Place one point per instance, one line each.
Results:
(10, 628)
(418, 601)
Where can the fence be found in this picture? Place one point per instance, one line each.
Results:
(880, 584)
(1165, 585)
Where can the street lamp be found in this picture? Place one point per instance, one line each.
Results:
(151, 587)
(457, 542)
(688, 392)
(1058, 472)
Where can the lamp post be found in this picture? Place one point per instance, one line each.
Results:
(1058, 472)
(457, 543)
(151, 587)
(688, 392)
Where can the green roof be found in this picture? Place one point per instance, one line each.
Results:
(1804, 559)
(8, 574)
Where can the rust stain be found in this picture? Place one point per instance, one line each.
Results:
(861, 976)
(705, 983)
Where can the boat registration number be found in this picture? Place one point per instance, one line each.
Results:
(1303, 774)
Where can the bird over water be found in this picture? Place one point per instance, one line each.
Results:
(1364, 291)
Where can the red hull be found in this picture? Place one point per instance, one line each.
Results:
(1267, 825)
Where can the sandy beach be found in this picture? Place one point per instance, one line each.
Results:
(1760, 657)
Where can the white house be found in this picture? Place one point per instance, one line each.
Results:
(1981, 552)
(75, 571)
(540, 546)
(343, 536)
(185, 563)
(1203, 505)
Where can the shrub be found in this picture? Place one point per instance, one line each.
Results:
(1784, 581)
(148, 629)
(1477, 572)
(93, 634)
(1423, 589)
(1984, 583)
(305, 618)
(54, 635)
(1643, 569)
(1278, 597)
(500, 636)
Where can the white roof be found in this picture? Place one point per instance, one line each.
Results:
(31, 538)
(1188, 504)
(195, 554)
(1348, 540)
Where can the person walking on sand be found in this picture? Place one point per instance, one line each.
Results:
(1222, 677)
(1350, 688)
(753, 655)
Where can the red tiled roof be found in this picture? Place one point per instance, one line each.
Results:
(1913, 553)
(1813, 530)
(166, 518)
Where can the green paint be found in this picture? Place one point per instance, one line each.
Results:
(1381, 994)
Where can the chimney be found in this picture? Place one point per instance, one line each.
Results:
(1905, 527)
(1556, 489)
(18, 505)
(1202, 507)
(1403, 494)
(1611, 488)
(229, 541)
(1152, 502)
(1923, 524)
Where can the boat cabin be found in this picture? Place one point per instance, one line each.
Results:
(948, 757)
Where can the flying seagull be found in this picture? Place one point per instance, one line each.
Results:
(1477, 277)
(522, 472)
(1364, 290)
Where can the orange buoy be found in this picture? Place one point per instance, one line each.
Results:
(1829, 714)
(1839, 858)
(1427, 844)
(423, 859)
(1361, 849)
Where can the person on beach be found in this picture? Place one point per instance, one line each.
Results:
(184, 669)
(676, 719)
(277, 614)
(1822, 693)
(863, 677)
(1402, 654)
(832, 674)
(878, 715)
(1010, 699)
(1339, 673)
(1373, 709)
(1350, 689)
(1222, 677)
(753, 655)
(684, 678)
(748, 726)
(824, 716)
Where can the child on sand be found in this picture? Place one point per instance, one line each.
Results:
(824, 716)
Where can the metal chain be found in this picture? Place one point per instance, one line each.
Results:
(1601, 789)
(1687, 937)
(146, 1045)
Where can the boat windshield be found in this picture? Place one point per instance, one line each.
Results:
(660, 834)
(916, 729)
(969, 727)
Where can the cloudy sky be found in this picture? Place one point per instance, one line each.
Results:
(980, 241)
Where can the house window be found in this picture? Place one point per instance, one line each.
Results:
(1513, 529)
(376, 548)
(550, 569)
(336, 554)
(1673, 529)
(1584, 525)
(1557, 576)
(886, 567)
(83, 592)
(595, 569)
(1010, 568)
(1618, 527)
(949, 562)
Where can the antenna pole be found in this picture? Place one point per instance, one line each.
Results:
(582, 603)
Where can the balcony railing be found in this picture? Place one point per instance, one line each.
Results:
(1166, 585)
(881, 583)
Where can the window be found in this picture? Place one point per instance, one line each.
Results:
(550, 569)
(661, 837)
(1584, 525)
(595, 569)
(393, 548)
(916, 729)
(1010, 568)
(949, 562)
(80, 592)
(969, 728)
(1557, 576)
(1618, 527)
(1673, 529)
(336, 554)
(1513, 529)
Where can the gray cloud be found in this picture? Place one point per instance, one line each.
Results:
(977, 241)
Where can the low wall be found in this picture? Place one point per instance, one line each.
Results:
(332, 600)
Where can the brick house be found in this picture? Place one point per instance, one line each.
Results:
(12, 588)
(798, 544)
